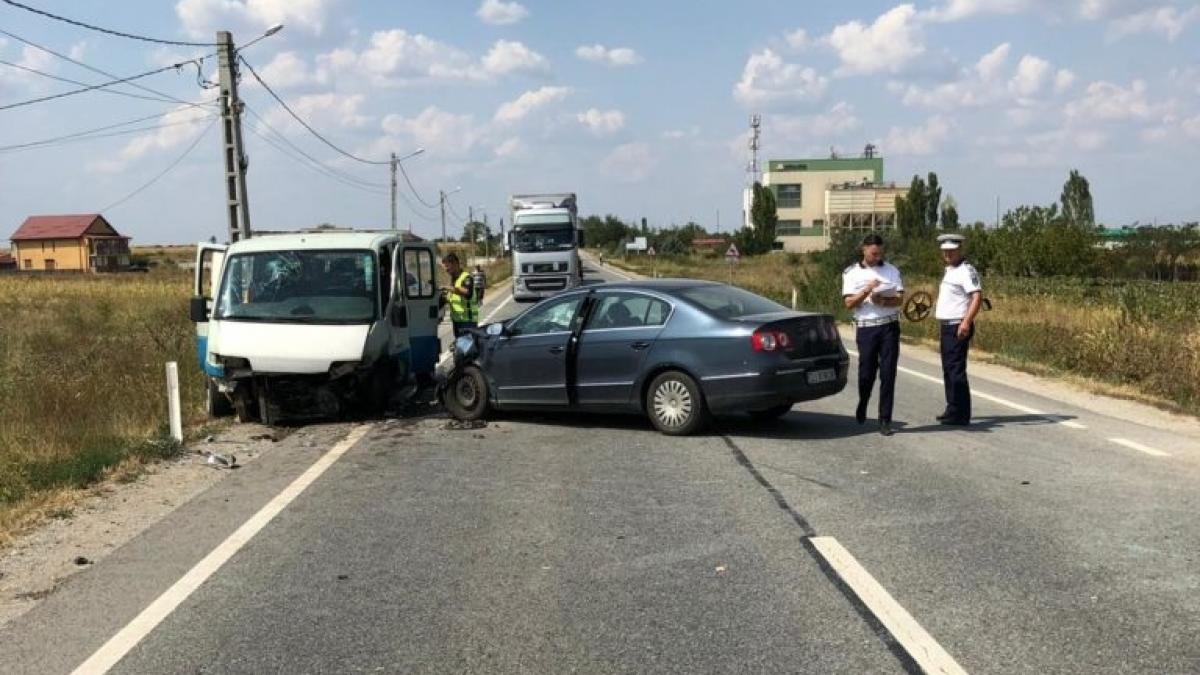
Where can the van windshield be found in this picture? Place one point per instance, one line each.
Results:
(320, 287)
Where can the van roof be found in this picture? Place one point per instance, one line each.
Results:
(318, 240)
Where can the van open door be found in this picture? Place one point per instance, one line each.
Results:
(206, 280)
(421, 295)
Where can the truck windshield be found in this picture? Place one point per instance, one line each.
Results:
(320, 287)
(544, 239)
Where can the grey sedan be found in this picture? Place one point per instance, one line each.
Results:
(677, 350)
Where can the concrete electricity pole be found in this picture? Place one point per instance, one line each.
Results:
(442, 206)
(237, 202)
(393, 190)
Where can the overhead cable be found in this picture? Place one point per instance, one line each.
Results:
(91, 134)
(64, 94)
(165, 171)
(68, 80)
(109, 31)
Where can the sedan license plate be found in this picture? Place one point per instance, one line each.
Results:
(819, 376)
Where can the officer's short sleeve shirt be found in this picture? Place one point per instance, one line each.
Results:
(855, 279)
(954, 295)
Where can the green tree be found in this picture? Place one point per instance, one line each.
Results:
(933, 198)
(950, 214)
(1076, 200)
(911, 209)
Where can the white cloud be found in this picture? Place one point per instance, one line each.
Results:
(177, 127)
(888, 44)
(1030, 76)
(1104, 101)
(617, 56)
(500, 13)
(78, 51)
(918, 141)
(678, 134)
(1191, 127)
(767, 78)
(523, 105)
(818, 130)
(602, 122)
(32, 58)
(957, 10)
(507, 56)
(1063, 80)
(323, 111)
(1166, 20)
(990, 64)
(509, 148)
(629, 163)
(285, 70)
(797, 39)
(397, 57)
(202, 18)
(437, 131)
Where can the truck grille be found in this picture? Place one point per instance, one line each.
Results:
(546, 283)
(544, 268)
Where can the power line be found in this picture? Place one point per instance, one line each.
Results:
(416, 194)
(105, 73)
(315, 167)
(298, 149)
(306, 125)
(92, 134)
(109, 31)
(93, 87)
(68, 80)
(165, 171)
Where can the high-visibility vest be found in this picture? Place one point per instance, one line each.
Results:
(463, 309)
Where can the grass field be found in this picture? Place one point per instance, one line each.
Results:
(1141, 337)
(82, 381)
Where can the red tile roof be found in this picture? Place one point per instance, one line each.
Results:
(71, 226)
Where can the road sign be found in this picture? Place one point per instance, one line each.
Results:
(650, 252)
(732, 254)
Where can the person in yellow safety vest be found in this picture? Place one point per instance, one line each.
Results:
(464, 308)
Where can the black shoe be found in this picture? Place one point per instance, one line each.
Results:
(860, 413)
(952, 422)
(943, 417)
(885, 429)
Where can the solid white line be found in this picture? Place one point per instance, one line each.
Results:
(919, 644)
(994, 399)
(1139, 447)
(133, 633)
(497, 309)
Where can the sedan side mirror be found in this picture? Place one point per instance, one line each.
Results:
(198, 309)
(495, 329)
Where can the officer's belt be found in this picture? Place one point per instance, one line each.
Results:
(882, 321)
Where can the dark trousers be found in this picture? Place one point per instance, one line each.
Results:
(461, 327)
(878, 352)
(954, 372)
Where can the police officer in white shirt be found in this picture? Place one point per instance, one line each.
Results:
(873, 288)
(958, 302)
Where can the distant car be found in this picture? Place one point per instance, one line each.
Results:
(677, 350)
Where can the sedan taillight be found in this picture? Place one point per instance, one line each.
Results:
(770, 340)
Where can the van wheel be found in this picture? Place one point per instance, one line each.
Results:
(245, 405)
(675, 405)
(216, 404)
(466, 396)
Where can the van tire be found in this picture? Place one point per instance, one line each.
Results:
(245, 405)
(216, 404)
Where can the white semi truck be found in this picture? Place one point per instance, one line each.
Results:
(544, 240)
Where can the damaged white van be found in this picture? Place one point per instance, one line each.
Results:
(313, 324)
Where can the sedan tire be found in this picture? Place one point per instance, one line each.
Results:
(466, 396)
(675, 405)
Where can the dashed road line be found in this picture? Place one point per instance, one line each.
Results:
(136, 630)
(1134, 445)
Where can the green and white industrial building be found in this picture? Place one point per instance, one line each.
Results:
(815, 197)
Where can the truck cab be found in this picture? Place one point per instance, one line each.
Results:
(313, 324)
(544, 242)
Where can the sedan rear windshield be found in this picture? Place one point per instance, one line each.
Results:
(728, 302)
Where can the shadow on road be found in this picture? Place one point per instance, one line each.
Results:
(986, 424)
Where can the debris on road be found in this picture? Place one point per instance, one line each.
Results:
(81, 561)
(219, 461)
(459, 425)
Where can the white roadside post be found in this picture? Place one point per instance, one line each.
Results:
(794, 298)
(173, 401)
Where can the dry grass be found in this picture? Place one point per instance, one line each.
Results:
(82, 380)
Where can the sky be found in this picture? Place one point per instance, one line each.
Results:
(641, 108)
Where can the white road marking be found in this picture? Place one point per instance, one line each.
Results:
(1139, 447)
(1070, 424)
(497, 309)
(919, 644)
(141, 626)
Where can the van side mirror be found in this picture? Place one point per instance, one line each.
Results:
(198, 309)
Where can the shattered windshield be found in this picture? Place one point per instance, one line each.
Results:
(320, 287)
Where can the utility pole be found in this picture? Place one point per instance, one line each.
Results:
(237, 201)
(502, 239)
(487, 245)
(470, 229)
(442, 205)
(393, 190)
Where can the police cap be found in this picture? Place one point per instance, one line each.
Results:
(950, 242)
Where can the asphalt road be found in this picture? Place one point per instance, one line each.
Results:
(1031, 542)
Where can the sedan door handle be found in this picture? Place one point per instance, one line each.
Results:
(639, 346)
(556, 350)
